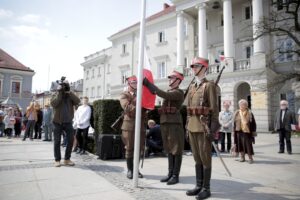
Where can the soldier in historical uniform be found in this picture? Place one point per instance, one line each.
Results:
(171, 124)
(202, 122)
(128, 103)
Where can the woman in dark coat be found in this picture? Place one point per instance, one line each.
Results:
(244, 131)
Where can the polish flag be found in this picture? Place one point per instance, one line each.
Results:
(148, 99)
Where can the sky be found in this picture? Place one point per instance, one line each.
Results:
(52, 37)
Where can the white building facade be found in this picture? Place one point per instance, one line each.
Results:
(207, 29)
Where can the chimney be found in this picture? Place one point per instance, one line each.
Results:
(166, 6)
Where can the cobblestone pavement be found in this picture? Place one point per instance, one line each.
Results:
(28, 166)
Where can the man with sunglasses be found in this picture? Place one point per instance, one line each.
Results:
(171, 124)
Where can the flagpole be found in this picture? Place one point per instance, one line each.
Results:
(137, 131)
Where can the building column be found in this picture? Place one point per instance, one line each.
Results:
(180, 39)
(258, 44)
(228, 30)
(202, 38)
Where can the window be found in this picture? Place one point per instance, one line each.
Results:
(87, 75)
(87, 92)
(206, 23)
(285, 48)
(108, 89)
(248, 52)
(222, 20)
(279, 4)
(248, 12)
(93, 73)
(124, 75)
(162, 70)
(99, 71)
(98, 91)
(161, 37)
(92, 92)
(15, 87)
(185, 62)
(124, 49)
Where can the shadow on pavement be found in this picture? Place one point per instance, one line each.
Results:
(271, 162)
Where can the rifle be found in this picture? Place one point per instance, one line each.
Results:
(118, 123)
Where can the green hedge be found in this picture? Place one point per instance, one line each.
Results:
(105, 114)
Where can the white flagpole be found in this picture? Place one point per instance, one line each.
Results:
(137, 131)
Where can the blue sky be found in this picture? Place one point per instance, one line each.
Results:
(57, 34)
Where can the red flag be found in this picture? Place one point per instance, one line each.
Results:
(148, 99)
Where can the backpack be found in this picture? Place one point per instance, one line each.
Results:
(92, 116)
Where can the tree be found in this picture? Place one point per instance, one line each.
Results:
(283, 20)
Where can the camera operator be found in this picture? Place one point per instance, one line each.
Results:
(63, 102)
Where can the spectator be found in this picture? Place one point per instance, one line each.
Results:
(18, 124)
(31, 118)
(63, 102)
(2, 125)
(283, 121)
(9, 121)
(153, 138)
(244, 130)
(82, 120)
(39, 122)
(47, 123)
(225, 119)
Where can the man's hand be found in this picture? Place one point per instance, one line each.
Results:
(149, 85)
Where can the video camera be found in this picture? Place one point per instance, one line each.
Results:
(65, 87)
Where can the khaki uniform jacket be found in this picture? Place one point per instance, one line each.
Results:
(61, 104)
(201, 95)
(128, 103)
(172, 98)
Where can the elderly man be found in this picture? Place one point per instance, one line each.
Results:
(283, 121)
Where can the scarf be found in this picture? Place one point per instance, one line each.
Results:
(245, 117)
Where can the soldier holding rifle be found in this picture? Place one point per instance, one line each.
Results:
(202, 112)
(128, 103)
(171, 124)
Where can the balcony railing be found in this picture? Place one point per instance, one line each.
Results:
(214, 68)
(242, 65)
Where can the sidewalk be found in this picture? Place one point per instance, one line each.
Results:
(27, 173)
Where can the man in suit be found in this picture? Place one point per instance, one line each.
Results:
(283, 121)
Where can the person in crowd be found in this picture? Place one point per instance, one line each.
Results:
(284, 120)
(153, 138)
(63, 102)
(128, 104)
(47, 122)
(18, 124)
(171, 124)
(244, 130)
(9, 121)
(31, 118)
(82, 119)
(202, 124)
(2, 125)
(226, 119)
(39, 122)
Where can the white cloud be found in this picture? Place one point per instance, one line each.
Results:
(30, 18)
(5, 13)
(31, 32)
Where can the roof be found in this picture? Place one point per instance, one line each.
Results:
(167, 9)
(8, 62)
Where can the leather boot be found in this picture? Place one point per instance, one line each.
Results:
(205, 193)
(199, 181)
(177, 165)
(171, 166)
(129, 167)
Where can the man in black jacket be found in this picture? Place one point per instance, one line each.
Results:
(283, 121)
(63, 102)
